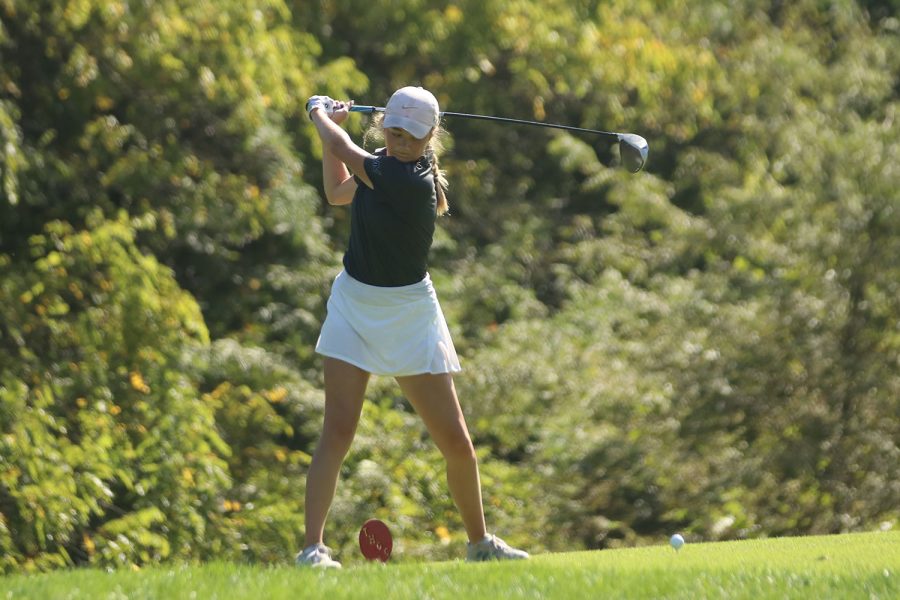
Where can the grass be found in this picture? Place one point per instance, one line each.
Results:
(865, 565)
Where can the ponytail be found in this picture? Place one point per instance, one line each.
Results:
(435, 147)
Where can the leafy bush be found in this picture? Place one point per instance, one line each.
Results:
(108, 453)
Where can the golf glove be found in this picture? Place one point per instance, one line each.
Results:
(323, 102)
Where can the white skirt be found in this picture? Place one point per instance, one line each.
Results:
(394, 331)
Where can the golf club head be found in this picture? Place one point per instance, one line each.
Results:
(633, 149)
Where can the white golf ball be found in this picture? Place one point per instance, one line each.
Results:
(676, 541)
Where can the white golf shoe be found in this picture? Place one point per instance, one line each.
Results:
(493, 548)
(317, 555)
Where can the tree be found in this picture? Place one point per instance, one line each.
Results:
(107, 452)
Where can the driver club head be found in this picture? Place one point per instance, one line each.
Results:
(633, 150)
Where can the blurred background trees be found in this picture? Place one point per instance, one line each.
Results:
(712, 345)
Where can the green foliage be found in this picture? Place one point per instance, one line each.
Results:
(109, 454)
(269, 417)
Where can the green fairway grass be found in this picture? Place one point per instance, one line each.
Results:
(865, 565)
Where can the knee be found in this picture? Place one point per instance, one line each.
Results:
(338, 436)
(458, 447)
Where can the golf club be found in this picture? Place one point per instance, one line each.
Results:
(632, 147)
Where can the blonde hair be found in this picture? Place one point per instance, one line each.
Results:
(375, 135)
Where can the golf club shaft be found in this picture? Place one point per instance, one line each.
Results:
(608, 134)
(633, 148)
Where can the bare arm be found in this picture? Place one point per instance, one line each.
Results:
(339, 183)
(338, 148)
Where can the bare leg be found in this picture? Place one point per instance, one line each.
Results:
(434, 399)
(345, 390)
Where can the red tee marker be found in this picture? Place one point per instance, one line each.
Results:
(375, 540)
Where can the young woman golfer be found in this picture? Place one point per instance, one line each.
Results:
(383, 313)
